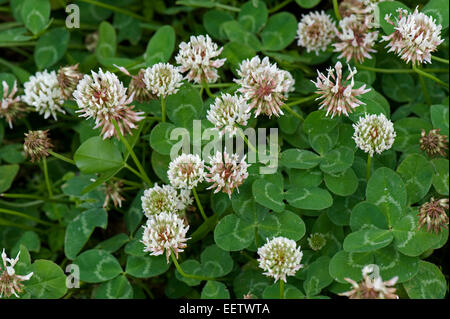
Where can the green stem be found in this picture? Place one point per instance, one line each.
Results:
(281, 289)
(290, 110)
(301, 100)
(426, 95)
(431, 77)
(135, 172)
(163, 109)
(199, 204)
(368, 167)
(336, 9)
(389, 71)
(17, 44)
(7, 223)
(47, 179)
(116, 9)
(215, 85)
(208, 91)
(438, 59)
(133, 155)
(36, 197)
(19, 214)
(250, 145)
(227, 7)
(62, 157)
(182, 273)
(280, 6)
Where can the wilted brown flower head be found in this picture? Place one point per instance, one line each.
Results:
(113, 191)
(433, 215)
(137, 86)
(11, 106)
(68, 78)
(371, 287)
(91, 41)
(37, 144)
(434, 143)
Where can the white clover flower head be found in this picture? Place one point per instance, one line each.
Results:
(198, 57)
(165, 199)
(338, 95)
(264, 85)
(316, 30)
(372, 286)
(280, 257)
(415, 37)
(163, 79)
(103, 97)
(226, 172)
(374, 133)
(10, 282)
(355, 40)
(186, 171)
(11, 106)
(165, 232)
(227, 112)
(42, 91)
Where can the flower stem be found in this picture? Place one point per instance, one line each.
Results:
(114, 8)
(250, 145)
(426, 95)
(290, 110)
(19, 214)
(280, 6)
(368, 167)
(62, 157)
(336, 9)
(215, 85)
(281, 289)
(208, 91)
(199, 204)
(227, 7)
(182, 273)
(301, 100)
(438, 59)
(432, 77)
(47, 179)
(389, 71)
(143, 174)
(163, 109)
(7, 223)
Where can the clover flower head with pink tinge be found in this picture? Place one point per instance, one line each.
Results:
(316, 30)
(226, 172)
(337, 94)
(103, 97)
(227, 112)
(186, 171)
(198, 57)
(264, 85)
(11, 106)
(10, 281)
(371, 286)
(165, 232)
(355, 41)
(415, 36)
